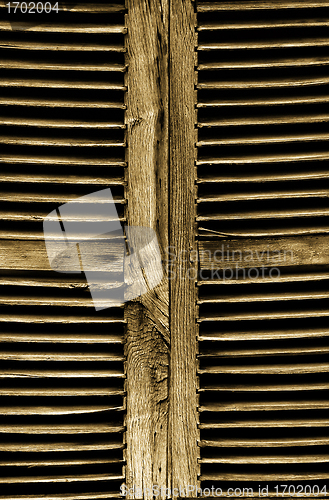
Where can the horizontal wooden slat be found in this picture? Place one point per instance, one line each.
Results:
(61, 179)
(60, 142)
(267, 214)
(264, 44)
(266, 387)
(270, 139)
(64, 28)
(260, 5)
(267, 459)
(264, 195)
(60, 46)
(60, 338)
(72, 428)
(60, 392)
(60, 462)
(64, 319)
(58, 161)
(237, 336)
(264, 63)
(67, 496)
(51, 66)
(271, 476)
(263, 159)
(269, 351)
(55, 410)
(265, 423)
(265, 442)
(262, 83)
(63, 496)
(265, 101)
(88, 7)
(59, 103)
(60, 84)
(58, 123)
(77, 478)
(59, 356)
(273, 120)
(269, 369)
(255, 24)
(33, 374)
(311, 250)
(263, 297)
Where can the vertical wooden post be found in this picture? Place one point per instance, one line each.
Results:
(147, 194)
(183, 403)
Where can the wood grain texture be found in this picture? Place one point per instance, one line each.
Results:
(183, 416)
(147, 194)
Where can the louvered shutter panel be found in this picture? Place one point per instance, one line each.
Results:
(62, 136)
(262, 187)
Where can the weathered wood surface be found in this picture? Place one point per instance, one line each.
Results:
(183, 416)
(147, 194)
(260, 5)
(269, 252)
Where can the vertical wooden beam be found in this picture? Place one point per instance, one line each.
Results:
(147, 194)
(183, 403)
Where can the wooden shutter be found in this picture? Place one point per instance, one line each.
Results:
(62, 136)
(263, 201)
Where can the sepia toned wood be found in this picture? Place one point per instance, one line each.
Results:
(269, 459)
(61, 479)
(282, 82)
(282, 44)
(266, 477)
(60, 84)
(264, 63)
(18, 45)
(257, 252)
(276, 443)
(183, 451)
(50, 66)
(268, 23)
(260, 5)
(87, 7)
(64, 28)
(270, 369)
(147, 318)
(262, 423)
(59, 103)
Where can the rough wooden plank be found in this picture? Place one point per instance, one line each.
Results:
(60, 84)
(265, 63)
(260, 5)
(267, 459)
(266, 442)
(60, 103)
(270, 369)
(265, 101)
(147, 194)
(260, 83)
(262, 423)
(58, 123)
(264, 120)
(257, 252)
(60, 46)
(183, 450)
(264, 45)
(48, 66)
(77, 478)
(64, 28)
(283, 476)
(267, 23)
(72, 428)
